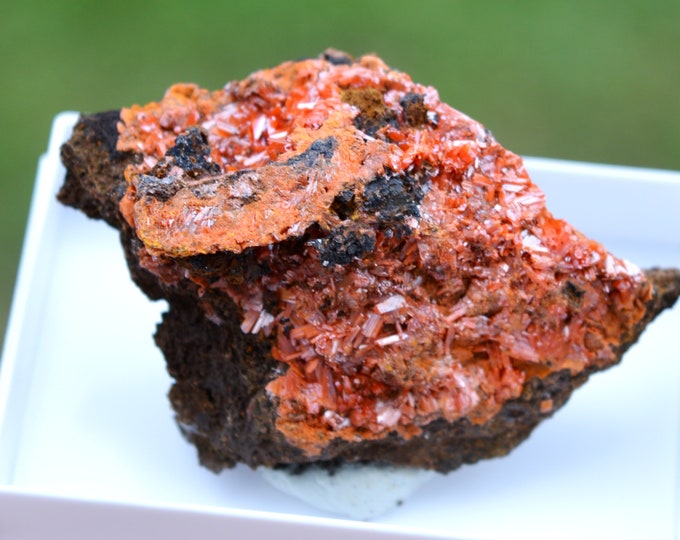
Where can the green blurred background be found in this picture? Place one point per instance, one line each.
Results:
(586, 80)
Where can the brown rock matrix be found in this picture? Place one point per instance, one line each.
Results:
(355, 270)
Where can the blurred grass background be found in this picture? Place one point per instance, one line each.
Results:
(585, 80)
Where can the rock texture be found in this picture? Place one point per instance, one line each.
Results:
(355, 270)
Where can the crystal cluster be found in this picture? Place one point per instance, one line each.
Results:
(399, 262)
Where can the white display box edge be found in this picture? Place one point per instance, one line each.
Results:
(35, 515)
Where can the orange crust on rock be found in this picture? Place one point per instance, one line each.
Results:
(261, 206)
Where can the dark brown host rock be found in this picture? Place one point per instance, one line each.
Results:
(355, 270)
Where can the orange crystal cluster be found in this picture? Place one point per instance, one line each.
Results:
(413, 271)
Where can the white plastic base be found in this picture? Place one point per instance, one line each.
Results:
(353, 490)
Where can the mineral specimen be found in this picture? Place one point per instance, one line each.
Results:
(355, 271)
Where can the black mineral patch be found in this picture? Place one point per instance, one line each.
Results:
(321, 148)
(392, 198)
(344, 204)
(344, 244)
(190, 154)
(235, 268)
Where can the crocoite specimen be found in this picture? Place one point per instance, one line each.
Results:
(390, 265)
